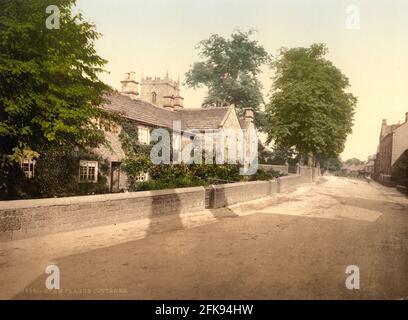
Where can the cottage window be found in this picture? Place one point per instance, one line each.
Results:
(143, 134)
(142, 177)
(88, 171)
(28, 166)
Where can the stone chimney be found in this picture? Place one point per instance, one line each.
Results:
(130, 86)
(249, 115)
(384, 122)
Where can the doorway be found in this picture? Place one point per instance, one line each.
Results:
(115, 176)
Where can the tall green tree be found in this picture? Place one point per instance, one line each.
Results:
(50, 90)
(309, 109)
(230, 70)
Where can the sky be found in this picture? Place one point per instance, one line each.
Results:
(367, 40)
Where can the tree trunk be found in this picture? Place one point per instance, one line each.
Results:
(310, 159)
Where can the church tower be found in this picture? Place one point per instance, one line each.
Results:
(163, 93)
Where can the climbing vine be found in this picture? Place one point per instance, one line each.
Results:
(137, 159)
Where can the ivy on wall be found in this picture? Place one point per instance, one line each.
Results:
(56, 175)
(137, 159)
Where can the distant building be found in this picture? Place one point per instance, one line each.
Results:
(369, 167)
(351, 170)
(393, 142)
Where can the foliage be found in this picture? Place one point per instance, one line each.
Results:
(330, 164)
(354, 161)
(137, 159)
(56, 175)
(133, 167)
(129, 139)
(309, 108)
(265, 155)
(166, 176)
(262, 175)
(50, 91)
(10, 175)
(20, 154)
(276, 156)
(174, 176)
(230, 71)
(183, 175)
(216, 173)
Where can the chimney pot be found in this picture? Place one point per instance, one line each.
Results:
(406, 116)
(384, 122)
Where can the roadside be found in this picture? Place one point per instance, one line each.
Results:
(294, 245)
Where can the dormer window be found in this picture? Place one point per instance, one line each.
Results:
(154, 97)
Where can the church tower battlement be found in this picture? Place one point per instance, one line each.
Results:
(162, 92)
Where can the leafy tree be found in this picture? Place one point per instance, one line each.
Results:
(354, 161)
(309, 107)
(276, 156)
(330, 164)
(229, 71)
(50, 91)
(371, 157)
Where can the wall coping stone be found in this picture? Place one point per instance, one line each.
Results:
(290, 176)
(47, 202)
(238, 184)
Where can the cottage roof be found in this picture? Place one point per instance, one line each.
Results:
(139, 110)
(145, 112)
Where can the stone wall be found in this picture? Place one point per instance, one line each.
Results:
(279, 168)
(26, 218)
(226, 194)
(292, 181)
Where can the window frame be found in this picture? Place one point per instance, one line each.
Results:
(154, 97)
(89, 165)
(139, 178)
(146, 129)
(30, 173)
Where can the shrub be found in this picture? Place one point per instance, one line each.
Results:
(265, 175)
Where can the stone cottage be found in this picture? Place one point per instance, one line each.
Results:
(158, 105)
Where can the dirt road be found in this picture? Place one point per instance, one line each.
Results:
(293, 246)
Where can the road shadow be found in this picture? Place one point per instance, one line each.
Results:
(219, 213)
(253, 257)
(380, 206)
(165, 214)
